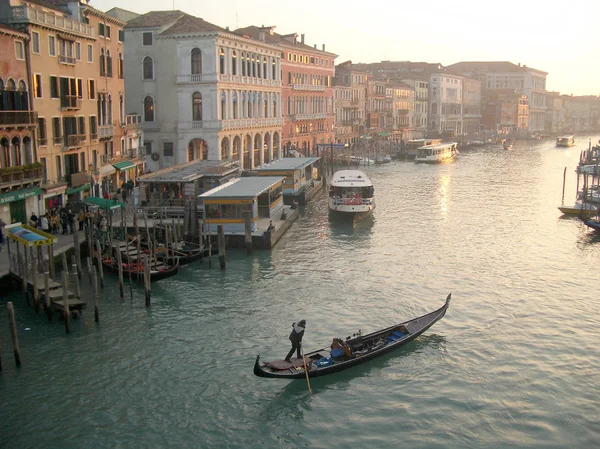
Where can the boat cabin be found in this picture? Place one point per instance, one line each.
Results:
(301, 177)
(228, 204)
(413, 145)
(436, 153)
(565, 141)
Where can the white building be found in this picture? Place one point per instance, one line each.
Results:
(445, 103)
(205, 92)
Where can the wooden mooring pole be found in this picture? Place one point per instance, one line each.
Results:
(96, 296)
(48, 300)
(89, 267)
(66, 314)
(75, 270)
(120, 270)
(77, 254)
(147, 280)
(13, 333)
(248, 236)
(34, 278)
(221, 242)
(201, 239)
(99, 258)
(209, 247)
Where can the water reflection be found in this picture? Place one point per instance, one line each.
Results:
(444, 187)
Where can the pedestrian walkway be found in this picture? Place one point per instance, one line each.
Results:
(65, 242)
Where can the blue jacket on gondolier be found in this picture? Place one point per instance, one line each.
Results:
(296, 338)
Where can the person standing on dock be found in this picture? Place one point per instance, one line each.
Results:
(296, 338)
(45, 223)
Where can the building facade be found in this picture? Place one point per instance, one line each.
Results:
(205, 92)
(445, 103)
(471, 107)
(307, 89)
(350, 102)
(20, 173)
(403, 111)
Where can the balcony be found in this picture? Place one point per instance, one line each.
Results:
(18, 118)
(106, 131)
(73, 141)
(355, 101)
(94, 136)
(23, 174)
(28, 14)
(311, 116)
(136, 153)
(310, 87)
(248, 80)
(70, 103)
(193, 79)
(106, 73)
(69, 60)
(199, 125)
(251, 122)
(107, 158)
(57, 140)
(42, 141)
(133, 122)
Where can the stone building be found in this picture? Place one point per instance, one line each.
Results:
(350, 103)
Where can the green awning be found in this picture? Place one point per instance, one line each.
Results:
(19, 195)
(102, 203)
(123, 165)
(384, 134)
(78, 189)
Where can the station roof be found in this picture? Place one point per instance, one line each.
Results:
(29, 236)
(288, 163)
(190, 172)
(243, 188)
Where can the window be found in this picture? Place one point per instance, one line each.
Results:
(93, 127)
(81, 125)
(51, 45)
(148, 109)
(148, 146)
(121, 36)
(197, 107)
(78, 51)
(56, 129)
(148, 68)
(196, 61)
(107, 27)
(37, 85)
(42, 136)
(90, 53)
(221, 61)
(19, 51)
(233, 63)
(147, 39)
(91, 89)
(54, 87)
(168, 148)
(35, 42)
(100, 29)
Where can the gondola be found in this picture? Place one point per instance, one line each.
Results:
(592, 223)
(182, 256)
(157, 271)
(356, 350)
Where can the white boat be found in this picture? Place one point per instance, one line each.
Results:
(351, 194)
(413, 145)
(435, 154)
(359, 160)
(579, 208)
(565, 141)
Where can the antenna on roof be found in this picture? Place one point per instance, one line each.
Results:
(173, 5)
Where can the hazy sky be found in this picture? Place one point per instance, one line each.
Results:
(563, 41)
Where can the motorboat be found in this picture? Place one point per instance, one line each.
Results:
(351, 194)
(435, 154)
(565, 141)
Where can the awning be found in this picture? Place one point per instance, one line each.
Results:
(19, 195)
(123, 165)
(107, 170)
(101, 203)
(78, 189)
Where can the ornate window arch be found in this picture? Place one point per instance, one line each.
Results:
(148, 70)
(148, 109)
(197, 107)
(196, 59)
(234, 62)
(221, 61)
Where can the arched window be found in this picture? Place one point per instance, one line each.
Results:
(274, 65)
(148, 68)
(120, 68)
(196, 61)
(221, 61)
(243, 61)
(197, 107)
(248, 65)
(22, 101)
(16, 146)
(264, 72)
(108, 64)
(148, 109)
(102, 63)
(233, 63)
(434, 108)
(10, 95)
(290, 78)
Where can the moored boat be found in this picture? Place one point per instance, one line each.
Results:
(351, 194)
(507, 144)
(351, 352)
(579, 208)
(565, 141)
(158, 270)
(436, 154)
(592, 223)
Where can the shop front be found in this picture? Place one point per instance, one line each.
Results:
(15, 207)
(53, 197)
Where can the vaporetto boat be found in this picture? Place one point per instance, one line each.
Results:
(565, 141)
(435, 154)
(351, 194)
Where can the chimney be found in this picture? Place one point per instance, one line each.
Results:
(302, 38)
(323, 47)
(261, 35)
(519, 64)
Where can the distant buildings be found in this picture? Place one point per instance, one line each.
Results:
(350, 86)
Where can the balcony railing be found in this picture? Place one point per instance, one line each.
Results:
(42, 141)
(106, 131)
(248, 80)
(70, 102)
(200, 78)
(73, 141)
(66, 59)
(315, 116)
(57, 140)
(311, 87)
(28, 14)
(106, 158)
(21, 174)
(94, 136)
(18, 118)
(252, 122)
(133, 122)
(135, 153)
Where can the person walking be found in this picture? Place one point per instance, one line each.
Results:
(296, 338)
(81, 219)
(45, 223)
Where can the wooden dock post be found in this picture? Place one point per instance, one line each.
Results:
(120, 269)
(13, 333)
(51, 260)
(90, 235)
(99, 258)
(63, 256)
(66, 314)
(221, 241)
(96, 297)
(74, 269)
(24, 283)
(89, 267)
(201, 239)
(77, 254)
(147, 280)
(209, 247)
(34, 279)
(248, 236)
(47, 299)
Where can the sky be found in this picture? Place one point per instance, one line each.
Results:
(561, 40)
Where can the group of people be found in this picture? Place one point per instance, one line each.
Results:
(58, 220)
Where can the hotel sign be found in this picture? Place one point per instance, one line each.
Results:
(19, 195)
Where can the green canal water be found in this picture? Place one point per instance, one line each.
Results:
(514, 363)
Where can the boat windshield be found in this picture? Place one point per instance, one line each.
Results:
(424, 152)
(350, 192)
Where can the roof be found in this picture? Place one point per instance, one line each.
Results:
(191, 24)
(57, 5)
(288, 163)
(190, 172)
(489, 66)
(154, 19)
(6, 29)
(272, 37)
(28, 235)
(390, 66)
(122, 14)
(350, 178)
(243, 188)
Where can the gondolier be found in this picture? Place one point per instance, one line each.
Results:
(296, 338)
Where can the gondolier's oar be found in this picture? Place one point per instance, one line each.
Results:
(306, 370)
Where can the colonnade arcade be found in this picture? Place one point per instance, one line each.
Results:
(252, 149)
(241, 104)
